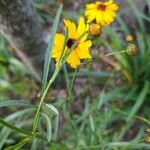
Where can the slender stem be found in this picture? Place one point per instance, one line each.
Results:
(36, 120)
(66, 78)
(101, 57)
(114, 53)
(71, 85)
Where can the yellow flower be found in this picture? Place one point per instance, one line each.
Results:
(81, 51)
(103, 12)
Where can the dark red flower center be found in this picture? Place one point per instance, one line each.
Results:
(101, 7)
(70, 42)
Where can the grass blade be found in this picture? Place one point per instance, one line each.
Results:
(50, 111)
(20, 144)
(49, 126)
(49, 48)
(4, 103)
(6, 124)
(139, 101)
(50, 108)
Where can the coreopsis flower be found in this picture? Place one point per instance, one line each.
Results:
(81, 51)
(103, 12)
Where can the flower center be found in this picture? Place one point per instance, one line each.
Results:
(101, 7)
(70, 42)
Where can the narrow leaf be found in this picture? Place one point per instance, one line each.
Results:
(4, 103)
(139, 101)
(20, 144)
(50, 108)
(49, 48)
(50, 111)
(65, 43)
(49, 126)
(8, 125)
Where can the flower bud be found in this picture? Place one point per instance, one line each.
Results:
(129, 38)
(148, 130)
(95, 29)
(147, 139)
(132, 50)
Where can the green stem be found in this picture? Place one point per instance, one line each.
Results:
(71, 85)
(101, 57)
(36, 120)
(114, 53)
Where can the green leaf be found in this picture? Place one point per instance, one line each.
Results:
(49, 48)
(8, 125)
(49, 126)
(139, 101)
(64, 46)
(35, 144)
(5, 131)
(20, 144)
(4, 103)
(50, 108)
(50, 111)
(3, 136)
(19, 113)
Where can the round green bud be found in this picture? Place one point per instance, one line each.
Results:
(132, 50)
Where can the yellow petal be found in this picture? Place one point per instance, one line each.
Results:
(99, 17)
(113, 7)
(58, 45)
(98, 3)
(90, 6)
(86, 35)
(71, 28)
(90, 14)
(73, 59)
(109, 2)
(83, 49)
(81, 27)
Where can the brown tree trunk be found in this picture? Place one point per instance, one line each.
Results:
(20, 25)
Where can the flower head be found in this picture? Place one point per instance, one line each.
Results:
(81, 51)
(103, 12)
